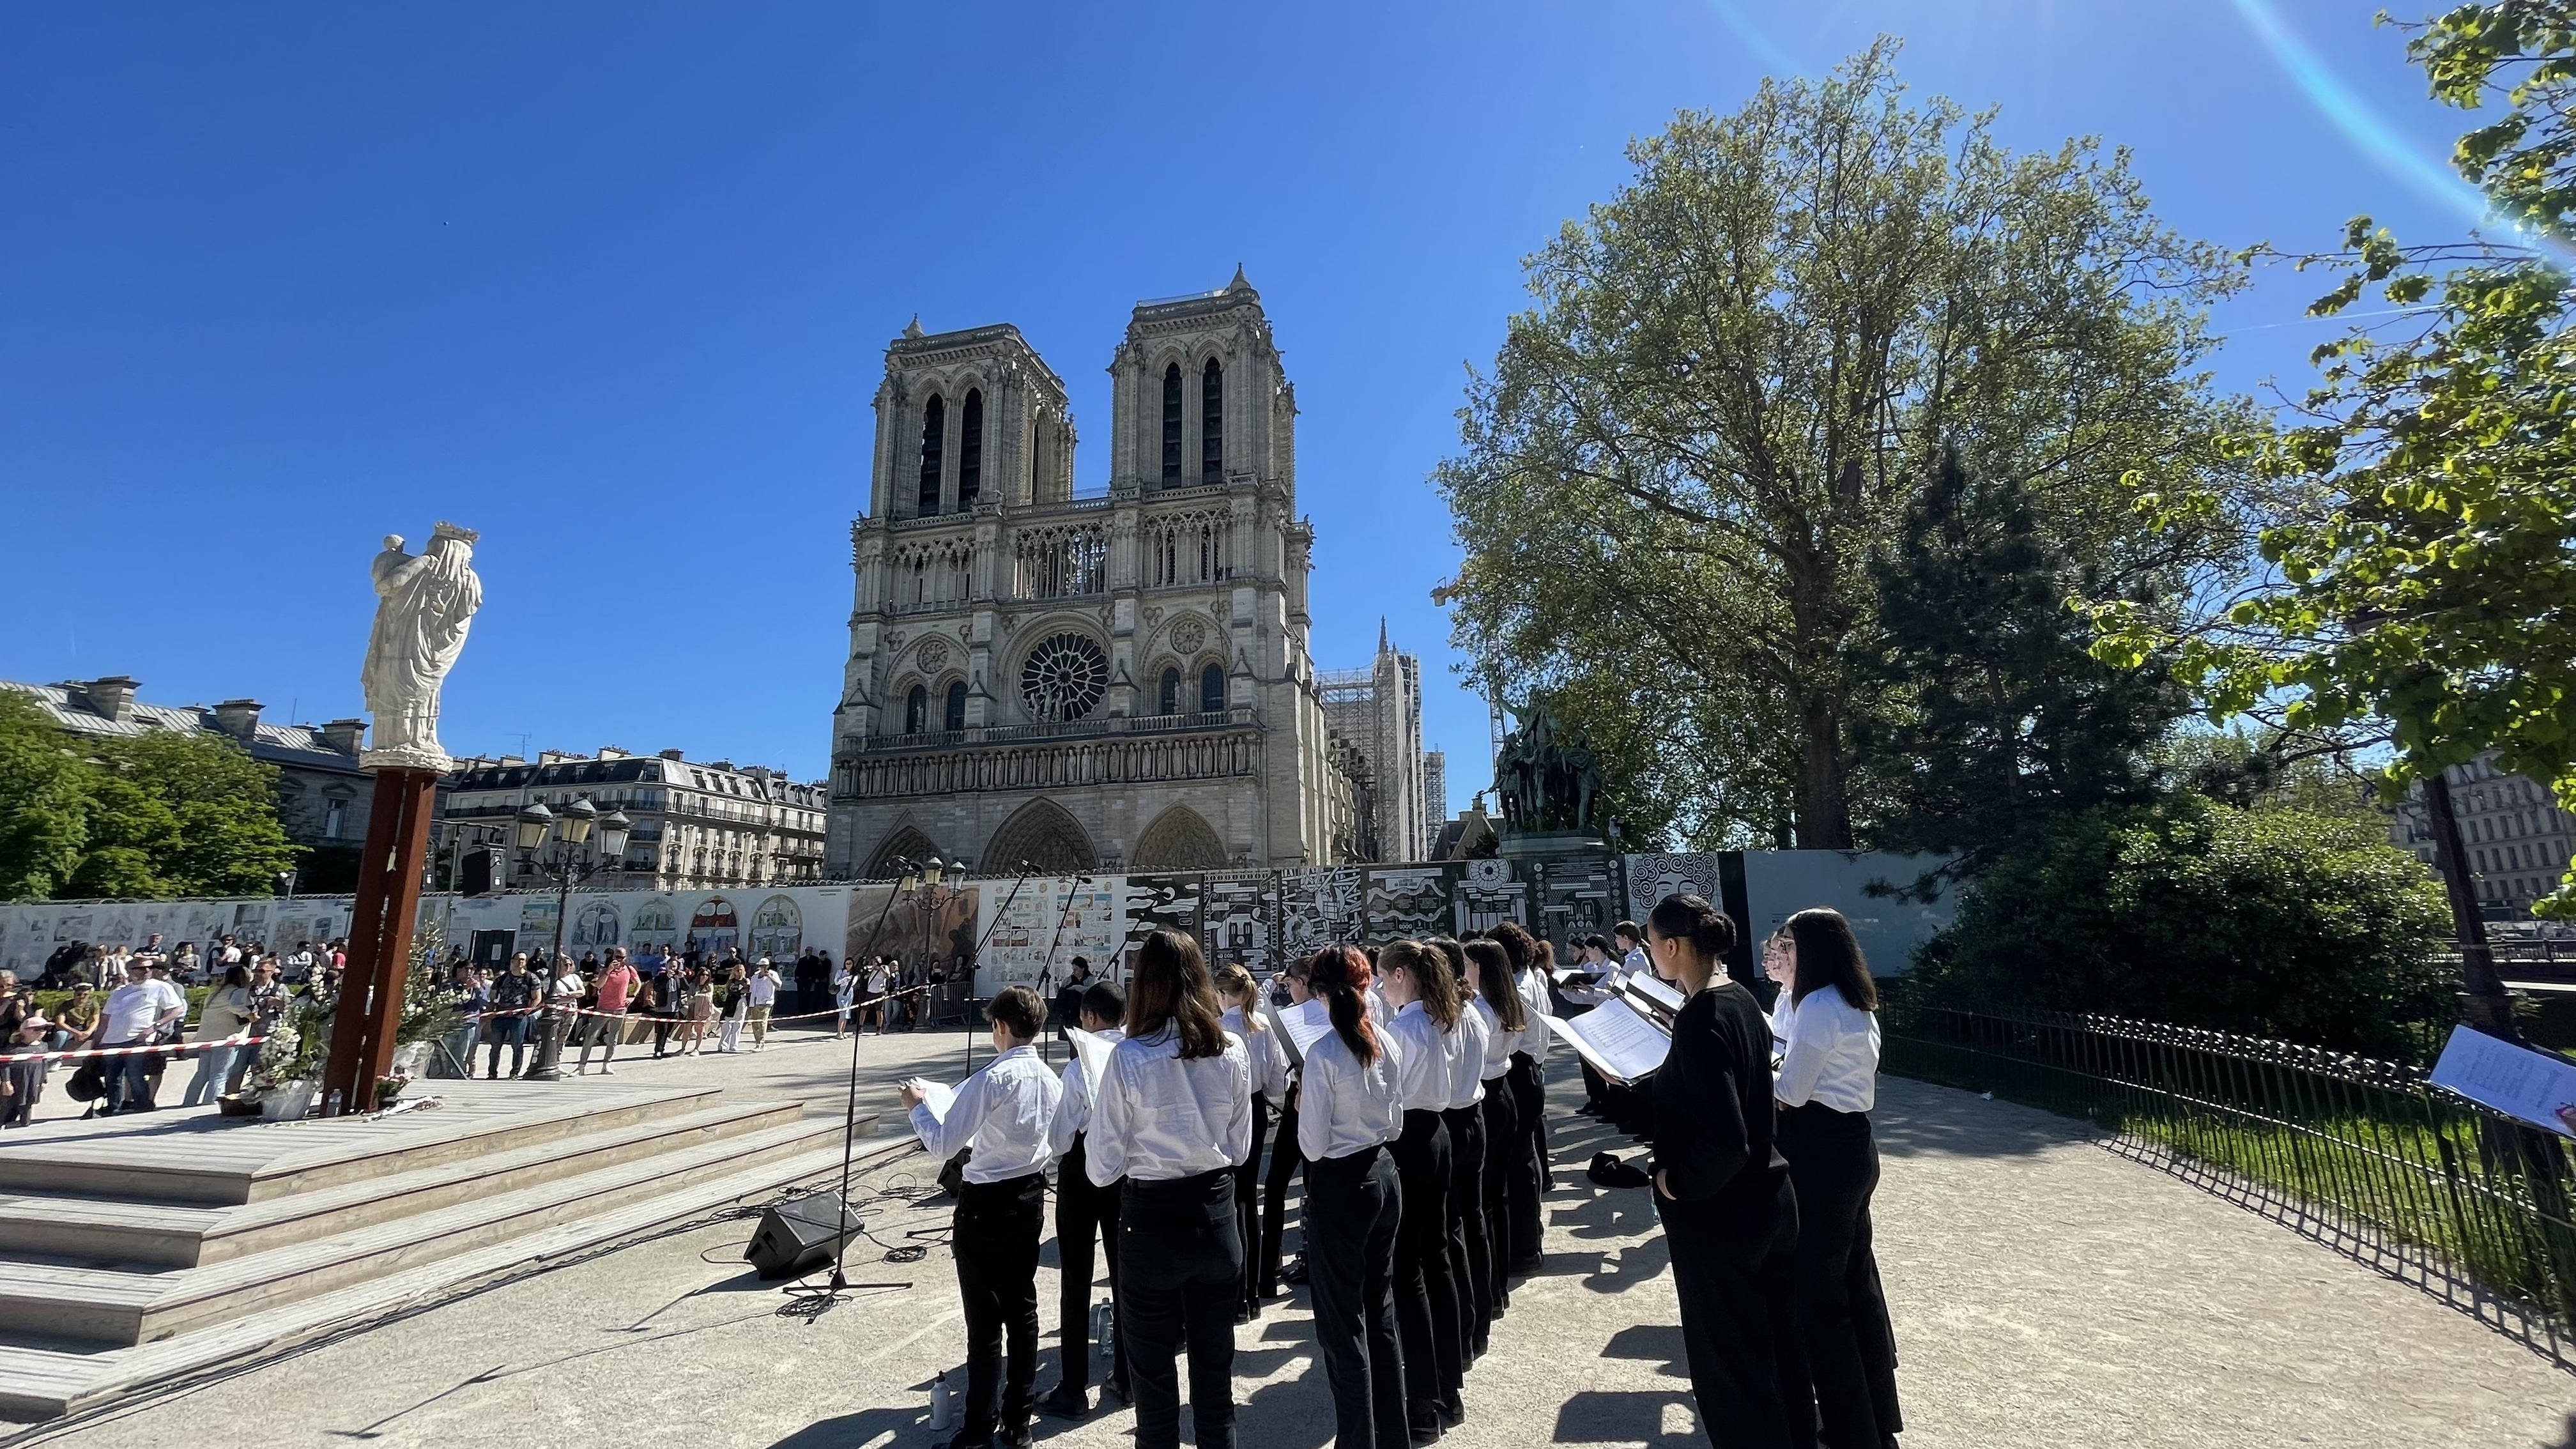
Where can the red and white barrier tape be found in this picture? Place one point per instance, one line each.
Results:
(239, 1039)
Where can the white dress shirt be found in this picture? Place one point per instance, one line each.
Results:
(1463, 1051)
(1832, 1052)
(1343, 1107)
(1263, 1054)
(1073, 1107)
(1158, 1118)
(1534, 995)
(1003, 1111)
(1421, 1058)
(1499, 1044)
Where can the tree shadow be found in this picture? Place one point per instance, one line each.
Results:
(1659, 1343)
(1919, 1119)
(1602, 1416)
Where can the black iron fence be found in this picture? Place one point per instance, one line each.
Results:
(2361, 1155)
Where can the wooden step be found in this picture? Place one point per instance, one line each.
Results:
(223, 1162)
(105, 1306)
(102, 1233)
(42, 1383)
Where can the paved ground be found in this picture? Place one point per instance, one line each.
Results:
(2046, 1293)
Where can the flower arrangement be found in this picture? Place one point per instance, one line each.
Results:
(293, 1054)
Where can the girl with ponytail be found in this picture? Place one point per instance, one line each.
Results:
(1723, 1195)
(1507, 1146)
(1414, 979)
(1348, 1111)
(1462, 1051)
(1242, 1002)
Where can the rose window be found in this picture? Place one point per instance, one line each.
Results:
(1064, 678)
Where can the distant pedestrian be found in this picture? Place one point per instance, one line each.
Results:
(846, 985)
(702, 1011)
(513, 992)
(764, 996)
(733, 1006)
(608, 1022)
(225, 1015)
(873, 1005)
(137, 1013)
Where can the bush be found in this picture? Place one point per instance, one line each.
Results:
(2275, 923)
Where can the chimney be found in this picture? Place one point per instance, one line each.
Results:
(612, 752)
(513, 760)
(725, 765)
(551, 757)
(670, 754)
(112, 697)
(238, 718)
(346, 736)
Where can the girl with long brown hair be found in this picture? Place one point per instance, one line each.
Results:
(1348, 1111)
(1415, 980)
(1498, 1001)
(1174, 1118)
(1462, 1051)
(1269, 1062)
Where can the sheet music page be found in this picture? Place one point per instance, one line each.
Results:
(1093, 1051)
(1615, 1039)
(1300, 1026)
(1655, 989)
(937, 1096)
(2514, 1080)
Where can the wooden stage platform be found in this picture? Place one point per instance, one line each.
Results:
(135, 1251)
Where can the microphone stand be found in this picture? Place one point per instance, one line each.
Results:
(1025, 869)
(850, 1120)
(1046, 971)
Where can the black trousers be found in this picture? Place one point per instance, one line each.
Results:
(1734, 1269)
(1528, 1164)
(1247, 1205)
(1181, 1275)
(1353, 1206)
(1426, 1279)
(1081, 1210)
(996, 1246)
(1504, 1141)
(1285, 1159)
(1842, 1311)
(1468, 1249)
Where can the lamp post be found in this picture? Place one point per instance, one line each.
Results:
(571, 832)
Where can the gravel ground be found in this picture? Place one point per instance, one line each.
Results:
(2046, 1293)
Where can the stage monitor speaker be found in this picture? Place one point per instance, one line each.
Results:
(800, 1236)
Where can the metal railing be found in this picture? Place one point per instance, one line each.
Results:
(2363, 1156)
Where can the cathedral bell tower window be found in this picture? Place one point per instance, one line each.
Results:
(970, 451)
(1172, 425)
(1211, 690)
(916, 711)
(934, 442)
(1212, 424)
(956, 706)
(1171, 691)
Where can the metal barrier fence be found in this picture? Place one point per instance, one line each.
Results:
(2363, 1156)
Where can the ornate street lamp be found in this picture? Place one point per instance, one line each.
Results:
(572, 830)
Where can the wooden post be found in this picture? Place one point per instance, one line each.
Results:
(380, 926)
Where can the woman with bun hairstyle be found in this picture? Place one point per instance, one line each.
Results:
(1828, 1081)
(1498, 1001)
(1348, 1111)
(1415, 981)
(1722, 1193)
(1462, 1050)
(1236, 993)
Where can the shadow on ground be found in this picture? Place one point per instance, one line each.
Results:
(1601, 1416)
(1918, 1119)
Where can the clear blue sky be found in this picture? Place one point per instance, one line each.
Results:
(611, 283)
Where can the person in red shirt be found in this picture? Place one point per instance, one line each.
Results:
(616, 983)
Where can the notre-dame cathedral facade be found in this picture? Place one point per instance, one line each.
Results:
(1116, 681)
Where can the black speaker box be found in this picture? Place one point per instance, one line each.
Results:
(800, 1235)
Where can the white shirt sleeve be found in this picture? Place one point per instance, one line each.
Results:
(1238, 1126)
(965, 1114)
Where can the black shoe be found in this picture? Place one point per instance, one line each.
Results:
(1296, 1272)
(1453, 1413)
(1014, 1438)
(1422, 1435)
(1066, 1402)
(1246, 1313)
(1476, 1349)
(1115, 1389)
(965, 1441)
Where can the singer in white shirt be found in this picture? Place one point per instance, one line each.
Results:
(1498, 1000)
(1415, 980)
(1003, 1112)
(1348, 1111)
(1173, 1116)
(1084, 1212)
(1827, 1015)
(1463, 1049)
(1267, 1059)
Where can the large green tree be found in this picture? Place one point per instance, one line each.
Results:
(1743, 366)
(156, 814)
(2421, 578)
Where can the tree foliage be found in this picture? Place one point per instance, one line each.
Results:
(2421, 575)
(156, 814)
(1741, 369)
(2269, 922)
(2003, 716)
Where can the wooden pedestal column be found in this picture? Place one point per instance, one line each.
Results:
(380, 926)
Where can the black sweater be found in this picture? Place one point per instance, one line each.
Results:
(1713, 1112)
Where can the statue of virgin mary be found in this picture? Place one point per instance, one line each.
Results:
(423, 606)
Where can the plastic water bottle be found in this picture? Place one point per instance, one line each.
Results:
(1104, 1328)
(941, 1411)
(331, 1104)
